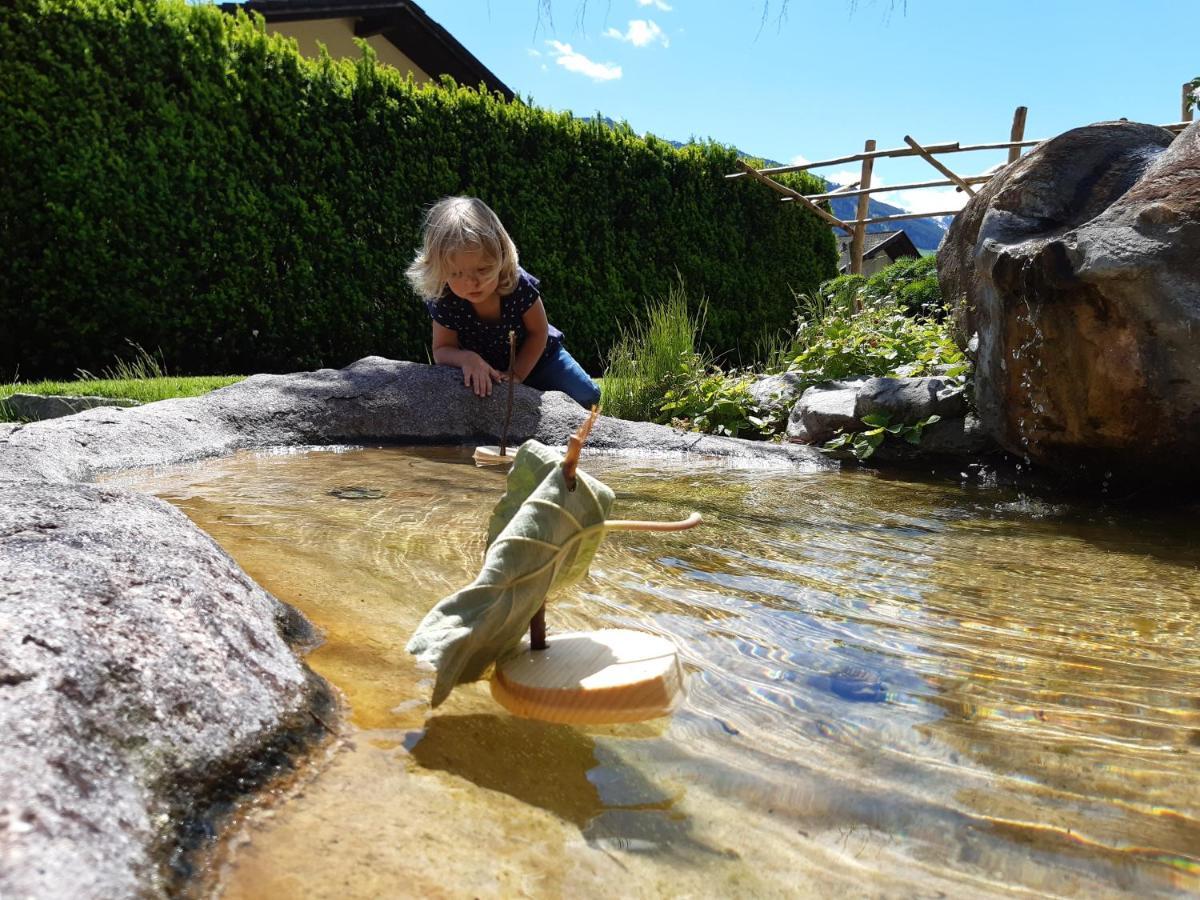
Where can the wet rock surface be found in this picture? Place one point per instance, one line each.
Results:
(143, 676)
(1077, 272)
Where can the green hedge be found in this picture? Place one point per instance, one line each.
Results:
(176, 177)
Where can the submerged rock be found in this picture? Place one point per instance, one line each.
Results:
(1076, 271)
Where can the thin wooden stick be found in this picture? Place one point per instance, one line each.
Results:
(512, 366)
(937, 165)
(575, 445)
(537, 629)
(919, 215)
(795, 195)
(1018, 132)
(856, 157)
(860, 230)
(888, 188)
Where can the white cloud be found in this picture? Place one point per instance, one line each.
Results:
(657, 4)
(849, 176)
(927, 199)
(573, 61)
(534, 53)
(640, 33)
(798, 160)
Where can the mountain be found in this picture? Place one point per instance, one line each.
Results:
(926, 234)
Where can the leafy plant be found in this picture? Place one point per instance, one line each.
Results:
(862, 444)
(716, 403)
(652, 354)
(879, 340)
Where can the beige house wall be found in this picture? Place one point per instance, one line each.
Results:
(338, 36)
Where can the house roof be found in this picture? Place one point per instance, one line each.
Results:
(895, 244)
(405, 24)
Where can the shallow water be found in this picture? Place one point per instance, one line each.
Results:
(894, 688)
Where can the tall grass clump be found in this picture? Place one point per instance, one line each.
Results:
(651, 355)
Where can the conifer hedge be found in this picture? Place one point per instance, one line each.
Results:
(174, 176)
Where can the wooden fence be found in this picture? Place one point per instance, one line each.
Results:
(862, 189)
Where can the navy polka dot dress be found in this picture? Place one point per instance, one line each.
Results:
(490, 339)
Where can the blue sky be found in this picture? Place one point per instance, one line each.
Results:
(832, 73)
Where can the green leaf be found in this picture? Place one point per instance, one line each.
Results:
(545, 537)
(876, 419)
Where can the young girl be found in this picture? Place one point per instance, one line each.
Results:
(476, 293)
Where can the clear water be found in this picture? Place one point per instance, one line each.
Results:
(895, 688)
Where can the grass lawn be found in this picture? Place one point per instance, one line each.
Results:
(144, 390)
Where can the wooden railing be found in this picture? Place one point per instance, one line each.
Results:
(862, 189)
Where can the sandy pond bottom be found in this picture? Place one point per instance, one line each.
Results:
(894, 688)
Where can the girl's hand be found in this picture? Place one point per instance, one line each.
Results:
(479, 376)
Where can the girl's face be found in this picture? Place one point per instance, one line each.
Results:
(473, 275)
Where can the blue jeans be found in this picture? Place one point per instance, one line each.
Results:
(559, 372)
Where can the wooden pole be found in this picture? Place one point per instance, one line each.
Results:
(937, 165)
(537, 629)
(849, 191)
(1185, 101)
(512, 365)
(854, 157)
(795, 195)
(860, 230)
(1017, 133)
(916, 215)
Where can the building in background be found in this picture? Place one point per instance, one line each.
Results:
(401, 34)
(880, 249)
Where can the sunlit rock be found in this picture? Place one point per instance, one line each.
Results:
(1077, 272)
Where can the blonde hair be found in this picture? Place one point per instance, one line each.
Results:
(461, 223)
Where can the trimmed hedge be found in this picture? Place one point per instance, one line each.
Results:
(176, 177)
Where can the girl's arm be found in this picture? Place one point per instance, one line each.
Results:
(538, 328)
(477, 374)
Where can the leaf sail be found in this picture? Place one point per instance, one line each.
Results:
(542, 536)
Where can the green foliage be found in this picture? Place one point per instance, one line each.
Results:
(861, 445)
(911, 282)
(709, 400)
(888, 324)
(658, 348)
(657, 373)
(1195, 101)
(177, 177)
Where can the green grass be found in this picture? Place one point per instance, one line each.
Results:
(144, 390)
(649, 356)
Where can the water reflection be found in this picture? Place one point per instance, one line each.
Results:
(895, 687)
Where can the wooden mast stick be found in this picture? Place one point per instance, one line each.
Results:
(512, 365)
(795, 195)
(859, 235)
(937, 165)
(1017, 133)
(537, 625)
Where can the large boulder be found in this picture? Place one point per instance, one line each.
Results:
(1076, 275)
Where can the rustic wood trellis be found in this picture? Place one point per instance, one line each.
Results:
(862, 189)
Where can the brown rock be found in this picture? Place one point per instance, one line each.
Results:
(1077, 273)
